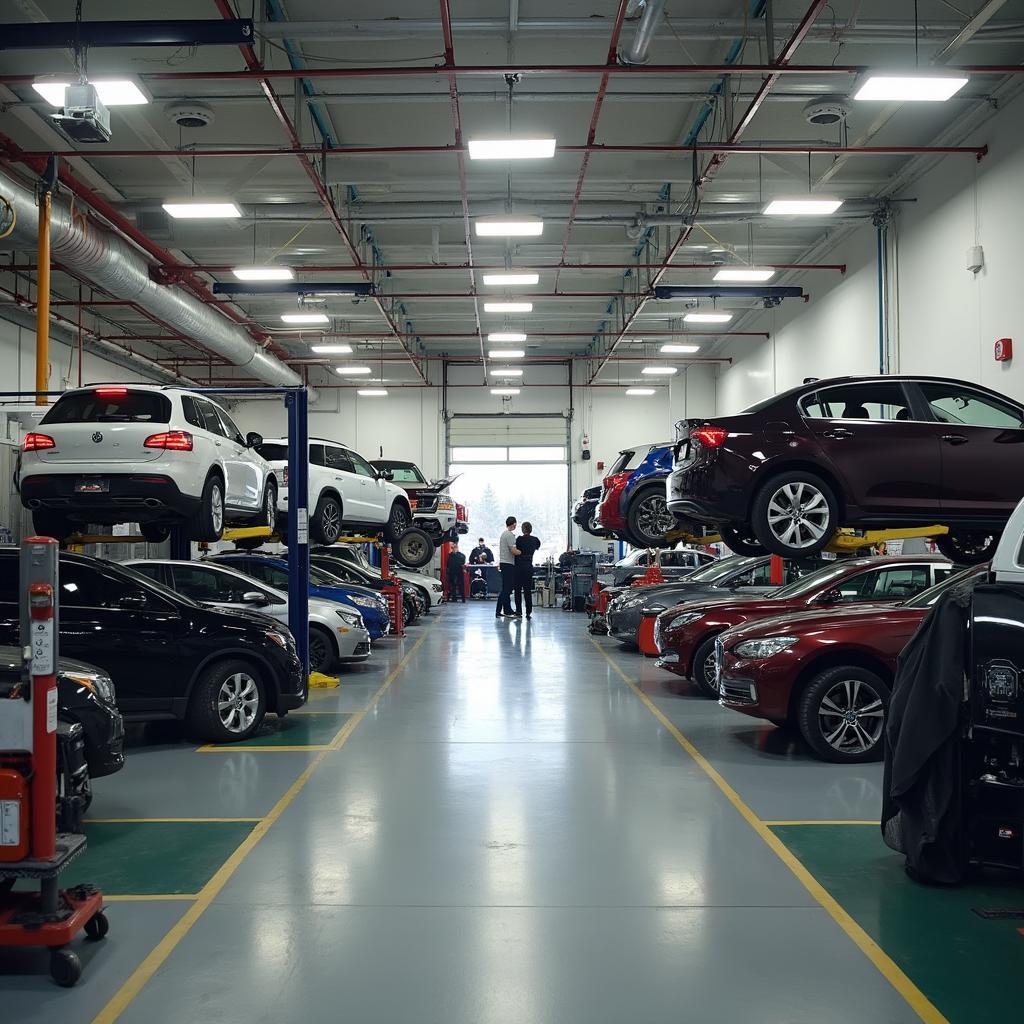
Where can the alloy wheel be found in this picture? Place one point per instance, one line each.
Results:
(238, 702)
(654, 518)
(269, 506)
(330, 522)
(851, 716)
(798, 514)
(710, 671)
(217, 507)
(317, 651)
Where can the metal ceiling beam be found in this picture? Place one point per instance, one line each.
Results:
(59, 35)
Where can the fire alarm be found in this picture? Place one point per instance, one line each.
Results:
(1004, 350)
(600, 466)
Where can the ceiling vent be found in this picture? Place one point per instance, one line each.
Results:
(190, 114)
(826, 110)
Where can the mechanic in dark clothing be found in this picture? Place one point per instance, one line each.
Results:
(527, 545)
(481, 554)
(456, 575)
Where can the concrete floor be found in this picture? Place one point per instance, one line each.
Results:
(503, 826)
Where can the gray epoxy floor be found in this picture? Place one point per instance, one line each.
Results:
(509, 835)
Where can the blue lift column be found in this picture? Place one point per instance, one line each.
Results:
(298, 523)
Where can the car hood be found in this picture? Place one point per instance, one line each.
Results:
(754, 605)
(879, 615)
(682, 592)
(415, 577)
(257, 618)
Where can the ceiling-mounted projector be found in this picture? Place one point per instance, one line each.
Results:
(83, 117)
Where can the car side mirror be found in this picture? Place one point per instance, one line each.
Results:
(136, 602)
(253, 440)
(833, 596)
(386, 474)
(254, 597)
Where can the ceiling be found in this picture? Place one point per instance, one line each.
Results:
(402, 214)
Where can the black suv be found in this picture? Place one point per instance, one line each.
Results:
(168, 657)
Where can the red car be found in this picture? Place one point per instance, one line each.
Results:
(827, 672)
(685, 635)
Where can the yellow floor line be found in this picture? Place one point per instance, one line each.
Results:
(142, 974)
(824, 821)
(899, 981)
(229, 749)
(159, 897)
(166, 821)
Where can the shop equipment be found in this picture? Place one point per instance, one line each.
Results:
(31, 848)
(583, 577)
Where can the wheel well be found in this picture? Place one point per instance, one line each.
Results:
(834, 659)
(332, 640)
(404, 502)
(711, 634)
(777, 469)
(627, 500)
(330, 492)
(216, 471)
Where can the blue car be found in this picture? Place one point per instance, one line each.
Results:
(632, 505)
(274, 571)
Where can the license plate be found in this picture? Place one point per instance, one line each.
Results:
(92, 485)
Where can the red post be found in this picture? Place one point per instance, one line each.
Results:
(394, 592)
(446, 550)
(44, 723)
(777, 571)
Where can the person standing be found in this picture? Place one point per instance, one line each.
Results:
(527, 545)
(507, 552)
(455, 568)
(481, 554)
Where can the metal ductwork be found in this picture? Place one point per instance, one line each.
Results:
(650, 23)
(105, 259)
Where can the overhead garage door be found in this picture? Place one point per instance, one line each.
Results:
(469, 431)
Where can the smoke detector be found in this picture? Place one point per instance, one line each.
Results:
(190, 114)
(826, 110)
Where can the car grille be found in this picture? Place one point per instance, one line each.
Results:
(362, 648)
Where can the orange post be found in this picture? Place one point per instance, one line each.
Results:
(777, 571)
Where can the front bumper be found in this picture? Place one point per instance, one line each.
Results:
(760, 688)
(292, 684)
(353, 643)
(103, 733)
(145, 497)
(624, 623)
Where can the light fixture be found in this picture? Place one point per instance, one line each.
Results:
(745, 274)
(816, 206)
(507, 371)
(506, 336)
(707, 318)
(659, 371)
(506, 353)
(372, 392)
(331, 350)
(511, 149)
(909, 88)
(509, 279)
(508, 307)
(112, 92)
(640, 391)
(264, 273)
(201, 209)
(305, 318)
(679, 350)
(504, 391)
(353, 371)
(490, 227)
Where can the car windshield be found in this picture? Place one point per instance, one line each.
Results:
(273, 451)
(626, 460)
(152, 584)
(714, 571)
(813, 581)
(110, 405)
(928, 597)
(403, 472)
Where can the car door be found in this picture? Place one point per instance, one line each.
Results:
(354, 491)
(212, 585)
(222, 449)
(246, 471)
(377, 488)
(887, 461)
(981, 445)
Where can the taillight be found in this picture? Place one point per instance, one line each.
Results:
(710, 437)
(172, 441)
(37, 442)
(616, 480)
(112, 392)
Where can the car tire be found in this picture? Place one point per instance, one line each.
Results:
(234, 680)
(155, 533)
(741, 541)
(327, 519)
(208, 522)
(399, 520)
(52, 524)
(704, 669)
(322, 653)
(810, 498)
(824, 704)
(409, 612)
(269, 514)
(426, 598)
(968, 547)
(648, 518)
(413, 548)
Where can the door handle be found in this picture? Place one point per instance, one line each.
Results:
(838, 433)
(954, 439)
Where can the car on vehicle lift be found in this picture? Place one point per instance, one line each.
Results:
(168, 657)
(430, 588)
(865, 452)
(337, 634)
(685, 634)
(585, 509)
(433, 508)
(162, 457)
(632, 506)
(828, 673)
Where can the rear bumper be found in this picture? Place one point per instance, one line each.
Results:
(608, 515)
(138, 497)
(706, 494)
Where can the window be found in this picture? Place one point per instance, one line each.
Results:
(113, 405)
(537, 453)
(402, 472)
(211, 421)
(873, 400)
(623, 462)
(950, 403)
(316, 455)
(79, 587)
(203, 583)
(258, 569)
(479, 455)
(230, 430)
(886, 584)
(273, 451)
(361, 467)
(190, 412)
(337, 458)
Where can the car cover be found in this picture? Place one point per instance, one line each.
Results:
(921, 811)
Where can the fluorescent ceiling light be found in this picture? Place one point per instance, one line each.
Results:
(509, 226)
(332, 350)
(506, 353)
(809, 207)
(305, 318)
(113, 92)
(640, 391)
(909, 88)
(504, 391)
(511, 149)
(508, 307)
(707, 318)
(508, 279)
(659, 371)
(373, 392)
(506, 336)
(264, 273)
(507, 371)
(353, 371)
(678, 350)
(755, 274)
(201, 209)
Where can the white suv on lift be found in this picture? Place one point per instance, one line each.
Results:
(139, 453)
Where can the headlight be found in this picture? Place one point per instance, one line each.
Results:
(766, 648)
(281, 639)
(352, 618)
(678, 621)
(101, 685)
(654, 609)
(363, 602)
(436, 587)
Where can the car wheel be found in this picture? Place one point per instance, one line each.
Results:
(705, 669)
(841, 715)
(154, 532)
(322, 654)
(398, 522)
(795, 515)
(649, 519)
(968, 547)
(52, 524)
(269, 514)
(326, 525)
(208, 523)
(414, 548)
(741, 541)
(409, 612)
(228, 702)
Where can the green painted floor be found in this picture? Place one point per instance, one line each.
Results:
(969, 967)
(302, 730)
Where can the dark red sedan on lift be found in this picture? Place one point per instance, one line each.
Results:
(685, 635)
